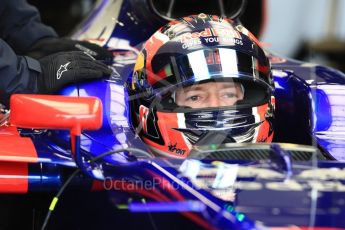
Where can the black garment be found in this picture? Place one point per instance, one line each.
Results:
(18, 74)
(60, 61)
(20, 28)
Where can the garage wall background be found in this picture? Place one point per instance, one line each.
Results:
(313, 31)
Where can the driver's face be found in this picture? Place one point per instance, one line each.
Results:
(211, 94)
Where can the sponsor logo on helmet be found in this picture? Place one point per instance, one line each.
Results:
(172, 148)
(211, 35)
(210, 32)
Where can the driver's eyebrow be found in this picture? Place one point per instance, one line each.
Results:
(193, 88)
(202, 88)
(227, 85)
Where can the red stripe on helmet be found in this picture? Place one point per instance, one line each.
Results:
(263, 134)
(263, 68)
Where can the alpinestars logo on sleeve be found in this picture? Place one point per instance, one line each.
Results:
(61, 70)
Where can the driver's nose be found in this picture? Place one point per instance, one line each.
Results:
(213, 100)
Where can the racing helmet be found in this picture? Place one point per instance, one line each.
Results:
(212, 57)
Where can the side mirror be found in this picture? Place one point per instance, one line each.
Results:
(56, 112)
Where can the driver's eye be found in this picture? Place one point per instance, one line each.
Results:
(229, 95)
(194, 98)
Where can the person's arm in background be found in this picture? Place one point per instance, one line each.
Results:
(22, 74)
(22, 29)
(18, 74)
(21, 26)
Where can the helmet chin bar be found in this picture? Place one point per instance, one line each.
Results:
(216, 138)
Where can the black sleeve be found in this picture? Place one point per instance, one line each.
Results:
(18, 74)
(21, 26)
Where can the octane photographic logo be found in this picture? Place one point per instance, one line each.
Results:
(140, 184)
(61, 70)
